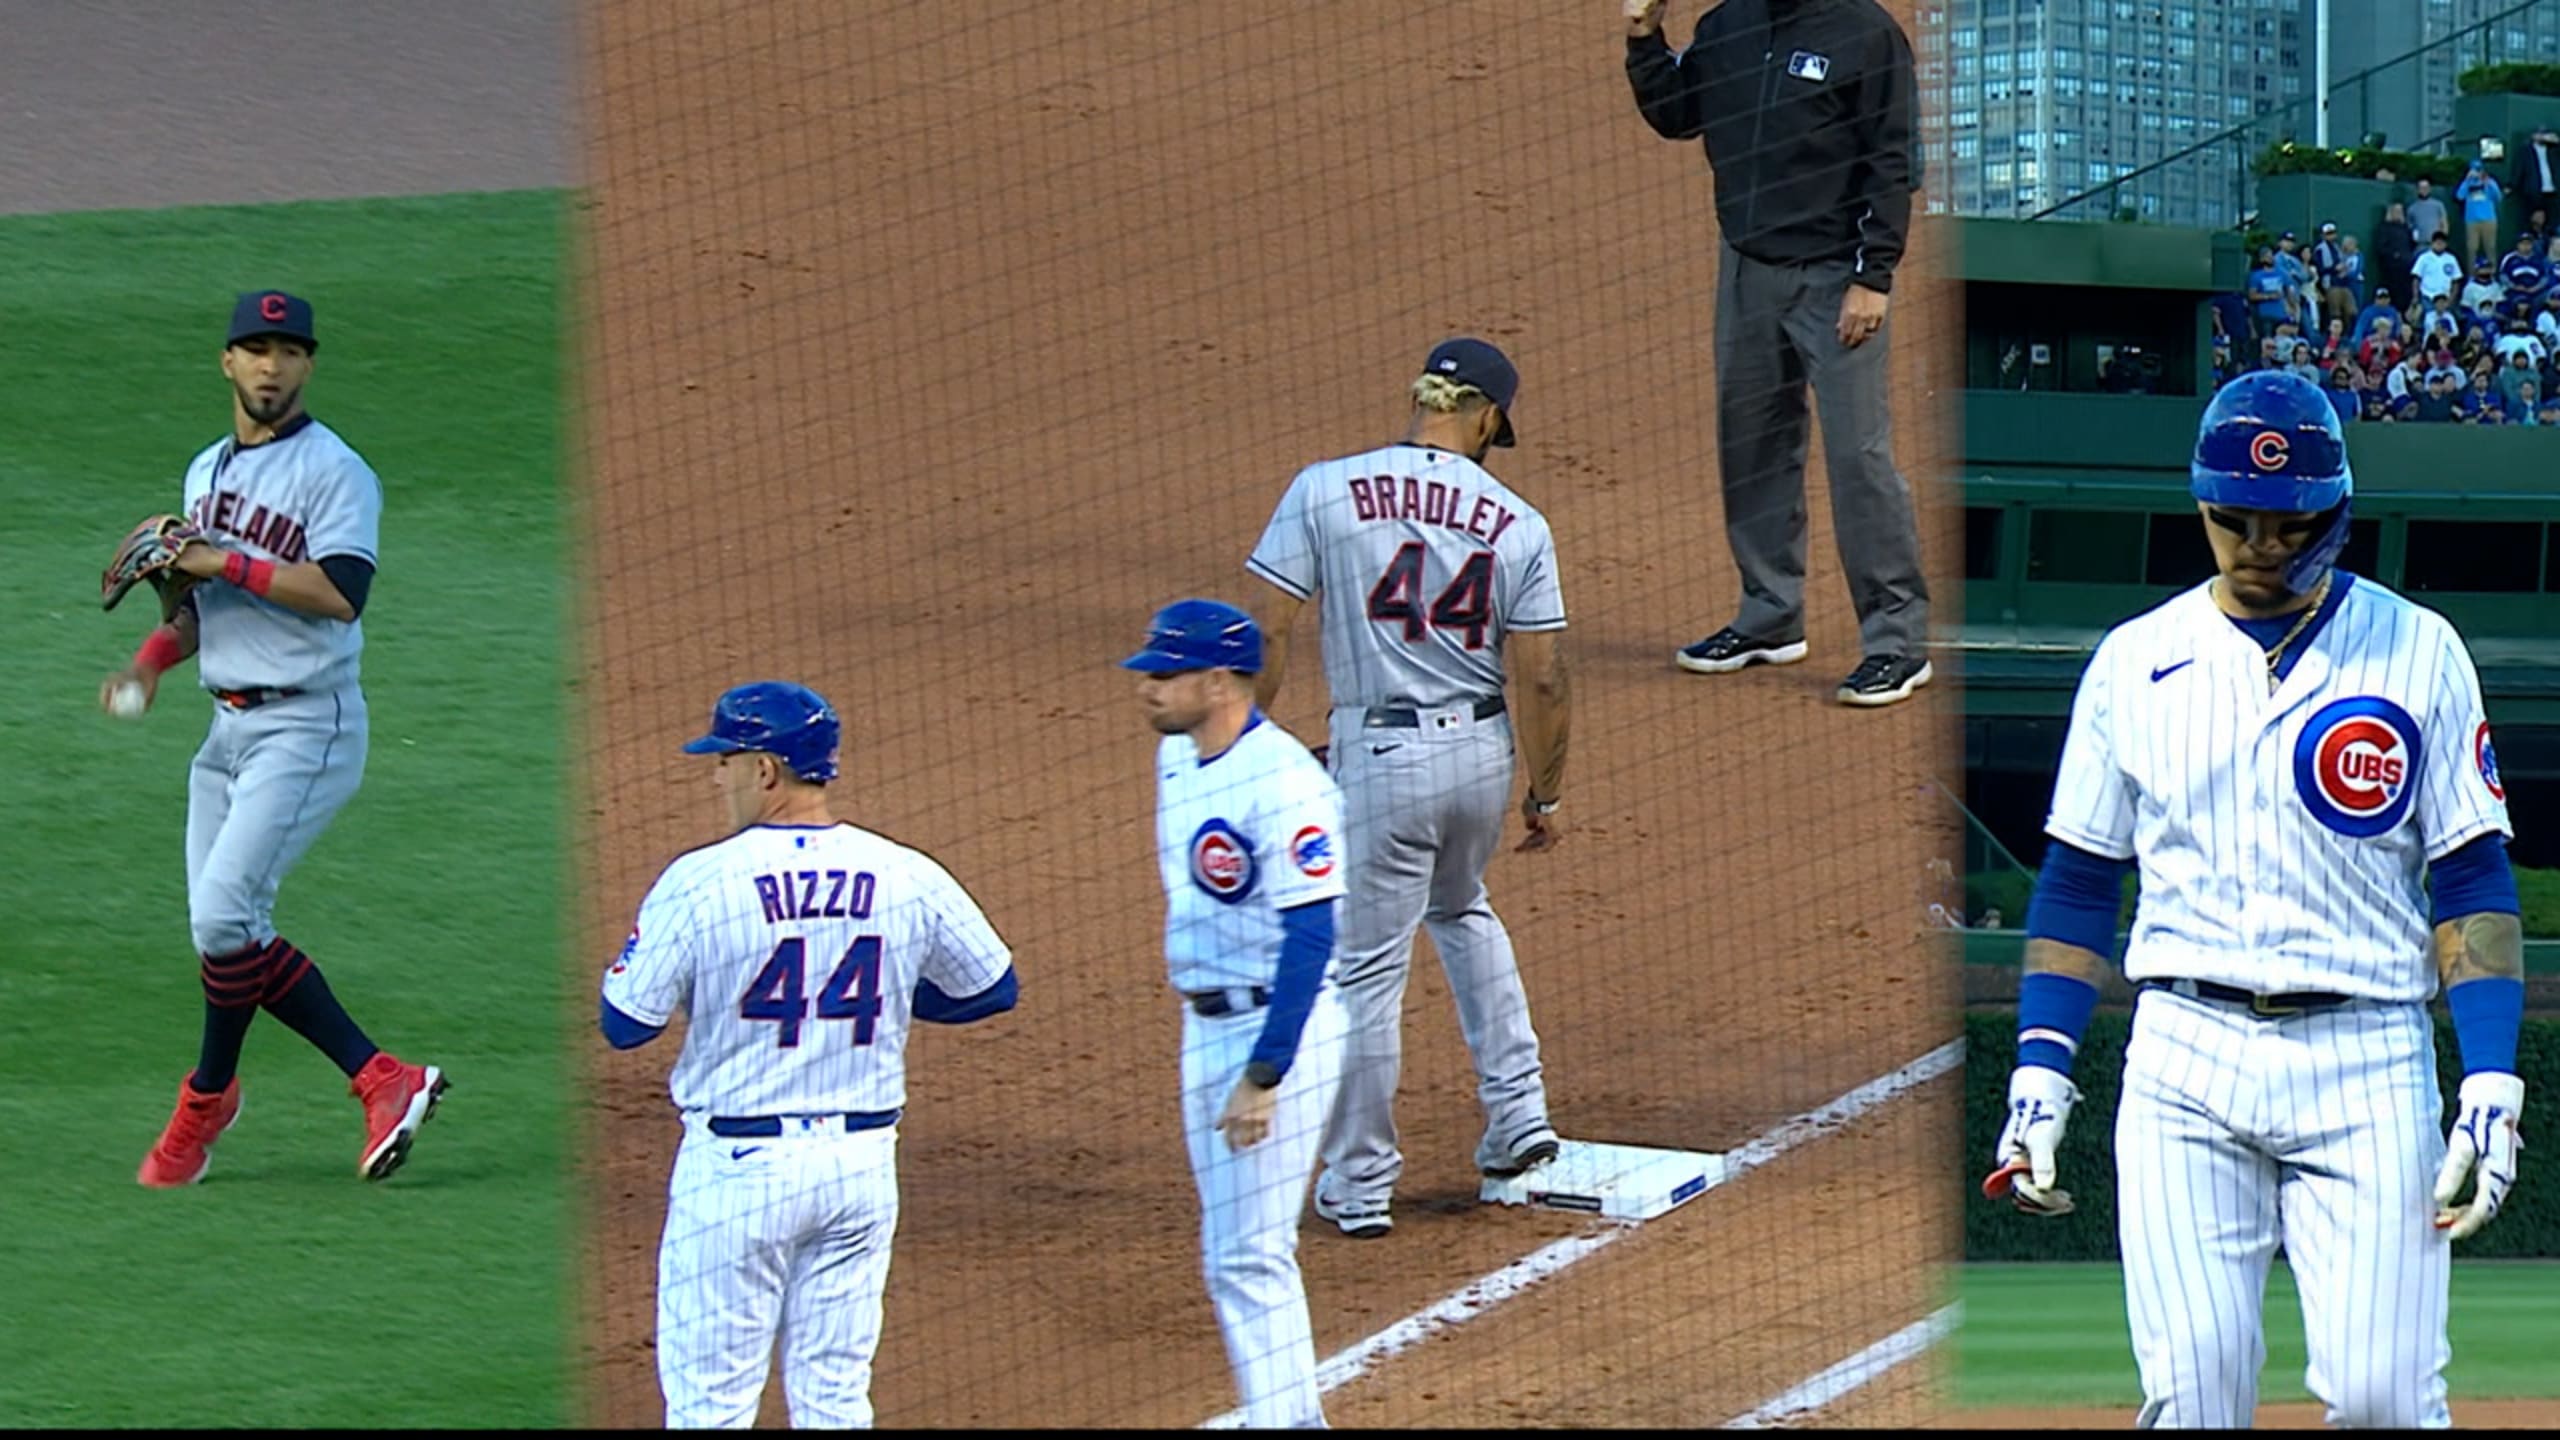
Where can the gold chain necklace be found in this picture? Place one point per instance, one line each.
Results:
(2275, 654)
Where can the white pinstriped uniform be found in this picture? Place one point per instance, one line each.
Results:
(1425, 562)
(1238, 840)
(795, 952)
(2282, 842)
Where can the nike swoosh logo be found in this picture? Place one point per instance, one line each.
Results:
(743, 1151)
(1384, 749)
(2159, 675)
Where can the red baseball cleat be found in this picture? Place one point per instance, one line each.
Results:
(185, 1149)
(397, 1100)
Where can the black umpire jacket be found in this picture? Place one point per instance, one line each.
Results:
(1806, 109)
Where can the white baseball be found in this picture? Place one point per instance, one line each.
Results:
(126, 701)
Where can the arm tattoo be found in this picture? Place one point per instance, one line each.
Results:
(2469, 947)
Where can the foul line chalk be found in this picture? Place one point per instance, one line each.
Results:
(1488, 1291)
(1859, 1369)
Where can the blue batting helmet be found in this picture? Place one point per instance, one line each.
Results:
(1199, 635)
(789, 722)
(2271, 441)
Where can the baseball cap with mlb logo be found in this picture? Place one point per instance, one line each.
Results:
(272, 312)
(1470, 361)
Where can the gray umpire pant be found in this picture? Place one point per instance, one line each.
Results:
(1775, 329)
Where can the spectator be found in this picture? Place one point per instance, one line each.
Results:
(2224, 371)
(2269, 356)
(2479, 196)
(2406, 380)
(2380, 349)
(2345, 281)
(2381, 308)
(2537, 166)
(2547, 324)
(2518, 371)
(2529, 407)
(2230, 312)
(2437, 271)
(2475, 344)
(2442, 365)
(2482, 398)
(2269, 301)
(2426, 216)
(2524, 275)
(2436, 404)
(2345, 394)
(2303, 364)
(2482, 292)
(2297, 278)
(2323, 258)
(2442, 322)
(2333, 343)
(2549, 414)
(2393, 251)
(2377, 407)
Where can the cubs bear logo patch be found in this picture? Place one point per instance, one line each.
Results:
(2356, 765)
(1221, 862)
(2485, 755)
(1311, 850)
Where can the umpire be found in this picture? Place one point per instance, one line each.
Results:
(1806, 110)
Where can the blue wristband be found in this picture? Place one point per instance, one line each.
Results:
(2488, 1015)
(2053, 1013)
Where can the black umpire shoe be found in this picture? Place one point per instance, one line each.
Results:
(1883, 680)
(1729, 650)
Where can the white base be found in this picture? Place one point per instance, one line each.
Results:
(1621, 1182)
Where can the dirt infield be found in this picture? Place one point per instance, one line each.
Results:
(2296, 1415)
(929, 356)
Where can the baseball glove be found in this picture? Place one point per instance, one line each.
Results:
(150, 552)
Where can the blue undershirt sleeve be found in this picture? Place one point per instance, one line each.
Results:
(1306, 947)
(935, 1007)
(622, 1032)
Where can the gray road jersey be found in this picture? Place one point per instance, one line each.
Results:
(1425, 561)
(302, 497)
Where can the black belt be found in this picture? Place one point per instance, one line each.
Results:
(1218, 1004)
(252, 699)
(2292, 1002)
(1393, 719)
(741, 1127)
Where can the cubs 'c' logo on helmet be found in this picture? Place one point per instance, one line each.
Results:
(1221, 863)
(1311, 850)
(2356, 765)
(2270, 450)
(2485, 755)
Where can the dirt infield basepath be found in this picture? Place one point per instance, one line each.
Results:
(2297, 1415)
(932, 353)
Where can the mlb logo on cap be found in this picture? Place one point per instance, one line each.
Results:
(272, 312)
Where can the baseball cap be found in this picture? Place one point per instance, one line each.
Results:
(1470, 361)
(272, 312)
(792, 723)
(2328, 227)
(1199, 634)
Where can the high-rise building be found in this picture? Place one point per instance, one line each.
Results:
(2028, 103)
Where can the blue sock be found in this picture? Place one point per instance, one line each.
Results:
(299, 995)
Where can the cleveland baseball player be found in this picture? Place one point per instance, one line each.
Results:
(1456, 569)
(1247, 827)
(280, 548)
(2298, 761)
(799, 947)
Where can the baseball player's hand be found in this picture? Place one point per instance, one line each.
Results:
(1543, 833)
(1861, 315)
(1643, 16)
(107, 688)
(2040, 1102)
(1248, 1115)
(2484, 1138)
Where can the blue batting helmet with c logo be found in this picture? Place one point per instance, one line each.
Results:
(790, 722)
(2271, 441)
(1199, 635)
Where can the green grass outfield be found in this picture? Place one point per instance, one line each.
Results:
(284, 1291)
(2054, 1335)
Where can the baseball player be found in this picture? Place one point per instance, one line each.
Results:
(1432, 570)
(800, 947)
(263, 584)
(1246, 844)
(2298, 761)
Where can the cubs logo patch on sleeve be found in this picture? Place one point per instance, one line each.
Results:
(2485, 755)
(622, 961)
(1221, 862)
(2356, 765)
(1311, 850)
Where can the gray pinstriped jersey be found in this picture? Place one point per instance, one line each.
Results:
(1425, 561)
(303, 496)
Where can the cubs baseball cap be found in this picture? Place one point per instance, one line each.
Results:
(272, 312)
(1470, 361)
(1199, 635)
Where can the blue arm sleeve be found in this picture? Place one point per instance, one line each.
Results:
(938, 1008)
(1306, 945)
(621, 1031)
(2473, 879)
(2076, 898)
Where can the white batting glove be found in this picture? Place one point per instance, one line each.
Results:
(2484, 1136)
(2040, 1102)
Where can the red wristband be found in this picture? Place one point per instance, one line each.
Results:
(249, 574)
(160, 650)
